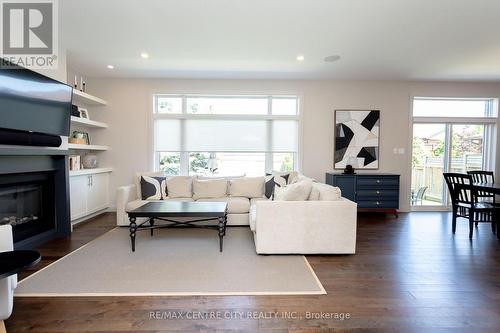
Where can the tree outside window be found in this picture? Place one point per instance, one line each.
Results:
(170, 163)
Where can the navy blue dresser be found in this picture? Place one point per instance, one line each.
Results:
(370, 191)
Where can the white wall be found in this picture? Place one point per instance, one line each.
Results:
(59, 73)
(130, 105)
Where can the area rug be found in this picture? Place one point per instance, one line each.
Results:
(174, 262)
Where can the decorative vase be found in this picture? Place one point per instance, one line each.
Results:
(349, 170)
(89, 161)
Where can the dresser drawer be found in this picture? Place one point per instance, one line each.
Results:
(378, 204)
(381, 193)
(371, 191)
(376, 182)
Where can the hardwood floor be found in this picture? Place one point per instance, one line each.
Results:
(410, 274)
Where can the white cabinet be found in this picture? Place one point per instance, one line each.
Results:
(89, 193)
(78, 196)
(97, 195)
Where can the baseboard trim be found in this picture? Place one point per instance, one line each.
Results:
(87, 217)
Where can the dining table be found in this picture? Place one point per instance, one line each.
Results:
(493, 188)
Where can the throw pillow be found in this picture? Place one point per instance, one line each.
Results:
(301, 177)
(314, 196)
(294, 177)
(273, 180)
(248, 187)
(153, 188)
(180, 187)
(208, 189)
(299, 191)
(325, 192)
(328, 192)
(137, 179)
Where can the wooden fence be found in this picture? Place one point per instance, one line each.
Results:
(430, 173)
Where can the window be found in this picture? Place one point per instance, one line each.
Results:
(428, 158)
(441, 107)
(170, 163)
(228, 164)
(466, 148)
(169, 105)
(225, 135)
(444, 142)
(226, 105)
(285, 106)
(283, 162)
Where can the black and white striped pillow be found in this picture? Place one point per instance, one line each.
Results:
(272, 181)
(153, 188)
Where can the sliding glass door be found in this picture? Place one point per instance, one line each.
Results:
(449, 136)
(439, 148)
(466, 148)
(428, 164)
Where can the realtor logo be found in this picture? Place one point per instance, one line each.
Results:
(29, 33)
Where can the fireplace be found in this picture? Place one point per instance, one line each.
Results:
(35, 118)
(27, 204)
(34, 198)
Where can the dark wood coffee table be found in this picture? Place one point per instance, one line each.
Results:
(13, 262)
(192, 213)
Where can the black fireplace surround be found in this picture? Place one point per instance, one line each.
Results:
(34, 198)
(27, 203)
(35, 113)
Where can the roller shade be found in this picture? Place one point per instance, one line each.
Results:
(284, 135)
(210, 135)
(168, 135)
(225, 135)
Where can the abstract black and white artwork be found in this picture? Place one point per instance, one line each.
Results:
(357, 139)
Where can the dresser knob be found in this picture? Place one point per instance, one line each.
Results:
(378, 192)
(378, 203)
(378, 181)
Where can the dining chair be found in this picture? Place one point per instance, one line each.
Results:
(483, 177)
(419, 196)
(480, 176)
(465, 203)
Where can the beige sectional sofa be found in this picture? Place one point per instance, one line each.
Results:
(195, 189)
(304, 217)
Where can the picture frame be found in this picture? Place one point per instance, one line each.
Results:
(74, 162)
(84, 113)
(356, 139)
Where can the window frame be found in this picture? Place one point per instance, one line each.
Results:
(154, 160)
(489, 121)
(488, 117)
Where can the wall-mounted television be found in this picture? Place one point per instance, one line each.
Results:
(30, 101)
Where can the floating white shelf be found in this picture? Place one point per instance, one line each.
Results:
(88, 199)
(89, 171)
(88, 123)
(87, 147)
(82, 98)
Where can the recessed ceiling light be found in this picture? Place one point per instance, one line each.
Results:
(110, 66)
(332, 58)
(300, 58)
(144, 55)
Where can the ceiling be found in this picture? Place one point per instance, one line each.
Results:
(376, 39)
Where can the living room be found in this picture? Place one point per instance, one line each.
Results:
(251, 166)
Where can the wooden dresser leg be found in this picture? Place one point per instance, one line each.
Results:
(2, 327)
